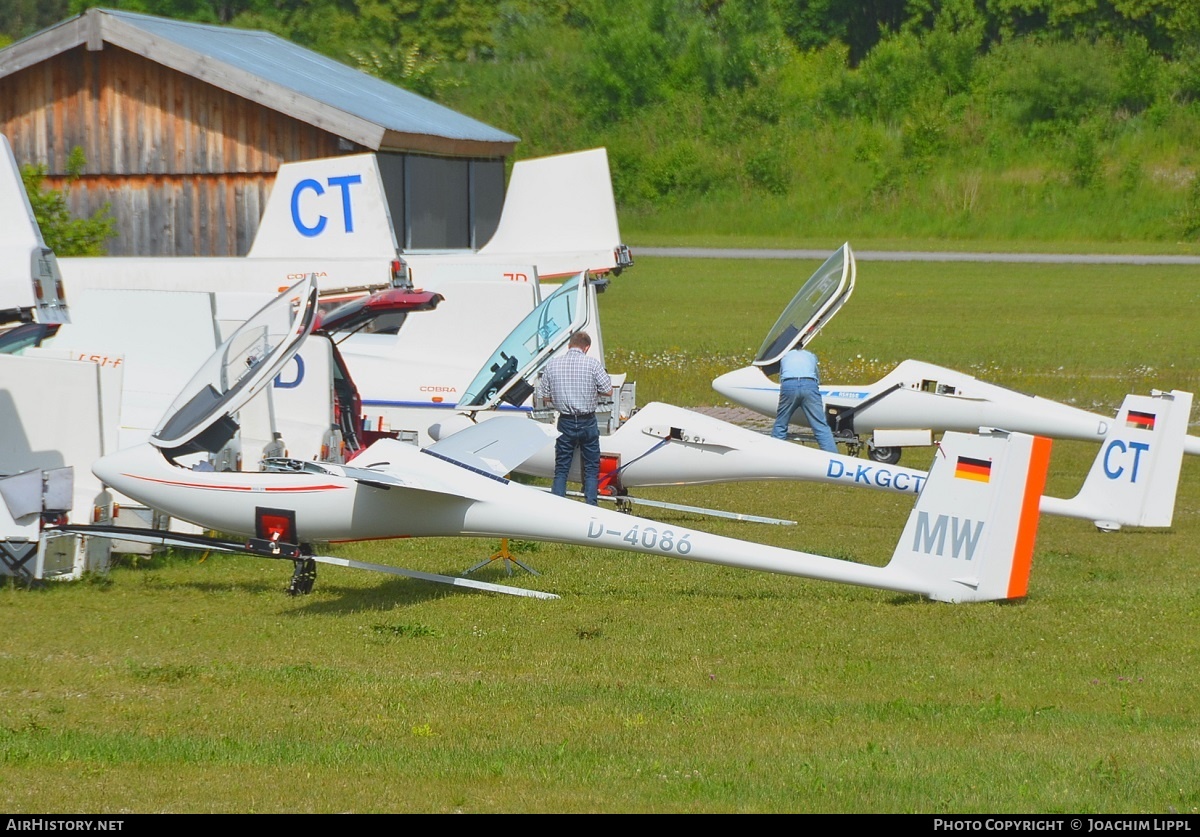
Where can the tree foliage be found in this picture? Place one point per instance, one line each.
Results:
(63, 233)
(707, 99)
(21, 18)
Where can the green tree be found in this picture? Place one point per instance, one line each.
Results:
(66, 235)
(860, 24)
(20, 18)
(1152, 20)
(1030, 81)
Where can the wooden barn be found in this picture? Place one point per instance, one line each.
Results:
(184, 125)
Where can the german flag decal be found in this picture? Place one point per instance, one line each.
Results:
(1140, 420)
(973, 469)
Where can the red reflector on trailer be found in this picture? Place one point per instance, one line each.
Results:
(275, 525)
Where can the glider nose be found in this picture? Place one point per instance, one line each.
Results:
(732, 384)
(121, 470)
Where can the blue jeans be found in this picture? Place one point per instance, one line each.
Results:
(802, 394)
(577, 432)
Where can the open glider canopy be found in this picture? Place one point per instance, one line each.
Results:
(535, 338)
(825, 292)
(201, 417)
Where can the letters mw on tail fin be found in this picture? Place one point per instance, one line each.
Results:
(971, 534)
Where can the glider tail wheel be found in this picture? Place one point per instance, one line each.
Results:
(887, 456)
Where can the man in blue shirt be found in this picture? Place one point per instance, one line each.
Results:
(573, 383)
(798, 390)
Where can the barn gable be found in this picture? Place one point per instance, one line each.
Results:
(184, 125)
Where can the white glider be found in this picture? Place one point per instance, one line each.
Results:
(910, 404)
(1132, 482)
(970, 536)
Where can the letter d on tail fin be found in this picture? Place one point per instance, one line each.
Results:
(1135, 475)
(970, 536)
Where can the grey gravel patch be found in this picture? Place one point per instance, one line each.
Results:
(739, 416)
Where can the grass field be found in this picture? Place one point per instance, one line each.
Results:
(653, 685)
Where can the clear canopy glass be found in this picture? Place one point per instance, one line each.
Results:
(241, 366)
(534, 339)
(814, 304)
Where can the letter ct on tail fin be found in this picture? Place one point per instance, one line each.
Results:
(1135, 475)
(971, 534)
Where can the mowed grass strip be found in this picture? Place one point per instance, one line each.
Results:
(182, 684)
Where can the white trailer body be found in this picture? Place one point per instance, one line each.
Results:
(52, 414)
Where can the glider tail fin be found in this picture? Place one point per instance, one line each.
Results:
(331, 208)
(1135, 475)
(970, 535)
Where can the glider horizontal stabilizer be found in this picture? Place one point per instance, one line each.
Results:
(496, 446)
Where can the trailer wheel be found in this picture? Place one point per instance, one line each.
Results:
(304, 575)
(887, 456)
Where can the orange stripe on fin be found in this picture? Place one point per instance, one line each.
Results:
(1035, 484)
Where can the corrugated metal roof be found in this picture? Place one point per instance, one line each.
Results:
(275, 73)
(317, 77)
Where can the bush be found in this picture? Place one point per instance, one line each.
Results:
(1140, 75)
(65, 235)
(1189, 216)
(1083, 160)
(767, 169)
(894, 75)
(813, 84)
(1029, 82)
(909, 68)
(923, 137)
(1183, 76)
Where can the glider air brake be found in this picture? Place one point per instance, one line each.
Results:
(1131, 483)
(970, 536)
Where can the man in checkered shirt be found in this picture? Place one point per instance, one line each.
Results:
(572, 383)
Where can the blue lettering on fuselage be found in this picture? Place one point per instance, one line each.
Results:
(875, 476)
(341, 183)
(1115, 470)
(846, 394)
